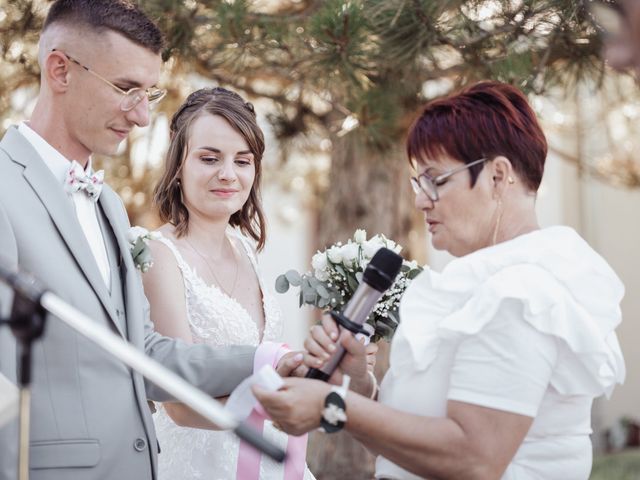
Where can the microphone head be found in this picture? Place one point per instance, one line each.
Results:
(382, 269)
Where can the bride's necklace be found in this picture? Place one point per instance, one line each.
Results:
(204, 259)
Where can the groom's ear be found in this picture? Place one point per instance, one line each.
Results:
(56, 71)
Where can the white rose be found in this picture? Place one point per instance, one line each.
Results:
(360, 236)
(135, 232)
(319, 261)
(412, 264)
(321, 275)
(486, 25)
(350, 254)
(370, 247)
(335, 254)
(391, 245)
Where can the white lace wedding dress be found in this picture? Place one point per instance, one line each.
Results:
(216, 319)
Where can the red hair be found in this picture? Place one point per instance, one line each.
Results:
(486, 120)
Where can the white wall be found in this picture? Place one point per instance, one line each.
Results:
(289, 227)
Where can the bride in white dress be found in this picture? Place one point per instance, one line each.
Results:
(205, 286)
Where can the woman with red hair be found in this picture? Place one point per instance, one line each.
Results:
(498, 358)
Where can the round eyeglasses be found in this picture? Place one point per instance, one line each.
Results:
(130, 98)
(429, 185)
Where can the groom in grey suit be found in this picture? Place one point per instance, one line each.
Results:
(99, 64)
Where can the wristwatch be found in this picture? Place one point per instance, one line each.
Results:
(334, 414)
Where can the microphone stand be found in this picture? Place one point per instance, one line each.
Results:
(27, 322)
(32, 301)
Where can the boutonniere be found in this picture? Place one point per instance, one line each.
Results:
(138, 238)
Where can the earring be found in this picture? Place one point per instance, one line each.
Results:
(498, 220)
(179, 186)
(511, 180)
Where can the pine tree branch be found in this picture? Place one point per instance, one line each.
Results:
(292, 13)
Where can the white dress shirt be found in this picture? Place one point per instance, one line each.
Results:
(85, 208)
(526, 326)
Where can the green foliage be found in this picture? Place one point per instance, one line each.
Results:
(619, 466)
(407, 29)
(323, 61)
(379, 111)
(344, 45)
(366, 58)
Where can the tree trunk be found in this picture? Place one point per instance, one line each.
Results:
(368, 189)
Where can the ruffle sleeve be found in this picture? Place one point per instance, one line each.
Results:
(578, 308)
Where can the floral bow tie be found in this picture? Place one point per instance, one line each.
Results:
(77, 180)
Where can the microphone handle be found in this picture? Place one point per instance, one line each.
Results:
(325, 372)
(343, 323)
(316, 374)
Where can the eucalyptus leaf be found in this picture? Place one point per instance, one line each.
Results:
(359, 277)
(282, 284)
(300, 299)
(353, 284)
(383, 330)
(323, 302)
(322, 291)
(386, 321)
(144, 256)
(314, 282)
(414, 273)
(137, 247)
(341, 270)
(310, 297)
(293, 278)
(307, 289)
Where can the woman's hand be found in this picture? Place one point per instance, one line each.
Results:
(358, 358)
(297, 407)
(291, 365)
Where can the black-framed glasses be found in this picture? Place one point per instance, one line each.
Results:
(429, 185)
(130, 98)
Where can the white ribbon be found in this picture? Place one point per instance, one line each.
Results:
(242, 400)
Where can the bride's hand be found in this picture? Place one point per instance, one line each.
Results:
(358, 358)
(291, 365)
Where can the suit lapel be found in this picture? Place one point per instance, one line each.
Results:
(61, 211)
(112, 210)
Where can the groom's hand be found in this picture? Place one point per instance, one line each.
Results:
(291, 365)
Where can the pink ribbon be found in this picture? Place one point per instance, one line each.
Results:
(270, 353)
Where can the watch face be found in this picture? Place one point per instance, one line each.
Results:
(334, 414)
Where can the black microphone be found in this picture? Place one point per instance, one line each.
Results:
(377, 277)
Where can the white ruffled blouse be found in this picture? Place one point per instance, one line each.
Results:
(525, 326)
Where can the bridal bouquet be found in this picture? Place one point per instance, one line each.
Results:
(337, 272)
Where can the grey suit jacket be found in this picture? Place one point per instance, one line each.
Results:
(90, 417)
